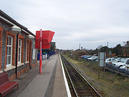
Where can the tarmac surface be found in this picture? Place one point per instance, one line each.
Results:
(59, 89)
(48, 84)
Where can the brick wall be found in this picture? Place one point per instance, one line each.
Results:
(21, 70)
(0, 47)
(4, 32)
(29, 44)
(125, 51)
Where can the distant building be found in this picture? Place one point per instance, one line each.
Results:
(17, 48)
(125, 49)
(53, 46)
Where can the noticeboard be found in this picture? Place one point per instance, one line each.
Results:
(102, 57)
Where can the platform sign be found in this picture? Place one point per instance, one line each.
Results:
(47, 36)
(42, 41)
(102, 57)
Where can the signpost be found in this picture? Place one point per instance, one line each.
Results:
(40, 67)
(42, 41)
(102, 59)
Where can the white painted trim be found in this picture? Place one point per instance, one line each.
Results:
(19, 42)
(25, 31)
(11, 49)
(20, 64)
(1, 71)
(65, 80)
(12, 24)
(30, 36)
(12, 67)
(9, 68)
(7, 20)
(27, 62)
(34, 54)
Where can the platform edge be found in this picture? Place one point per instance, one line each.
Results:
(65, 80)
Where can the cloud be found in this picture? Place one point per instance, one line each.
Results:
(89, 22)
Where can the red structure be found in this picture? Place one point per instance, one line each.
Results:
(47, 36)
(43, 39)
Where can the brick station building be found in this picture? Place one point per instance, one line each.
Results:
(17, 48)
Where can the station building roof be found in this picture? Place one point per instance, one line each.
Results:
(6, 18)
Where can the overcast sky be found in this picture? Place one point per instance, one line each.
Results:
(88, 22)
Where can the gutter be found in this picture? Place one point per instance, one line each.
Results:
(11, 21)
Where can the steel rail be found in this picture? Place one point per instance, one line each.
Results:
(86, 88)
(71, 82)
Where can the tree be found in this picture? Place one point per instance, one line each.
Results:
(104, 49)
(117, 50)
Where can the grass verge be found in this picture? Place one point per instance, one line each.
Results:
(109, 84)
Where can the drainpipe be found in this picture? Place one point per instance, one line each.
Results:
(30, 54)
(16, 54)
(16, 29)
(30, 57)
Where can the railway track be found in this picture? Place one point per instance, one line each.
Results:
(79, 86)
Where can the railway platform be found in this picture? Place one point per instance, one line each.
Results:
(48, 84)
(59, 89)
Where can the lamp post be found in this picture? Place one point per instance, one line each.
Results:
(16, 29)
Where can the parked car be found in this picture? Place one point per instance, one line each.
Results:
(118, 59)
(124, 69)
(93, 58)
(86, 56)
(110, 62)
(119, 64)
(123, 61)
(83, 56)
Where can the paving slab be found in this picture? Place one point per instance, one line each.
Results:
(38, 87)
(23, 81)
(59, 88)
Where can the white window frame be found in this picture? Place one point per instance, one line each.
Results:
(34, 50)
(19, 47)
(9, 46)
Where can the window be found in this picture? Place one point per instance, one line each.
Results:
(33, 53)
(9, 50)
(0, 46)
(26, 50)
(19, 50)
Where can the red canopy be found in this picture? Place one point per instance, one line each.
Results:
(47, 36)
(46, 46)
